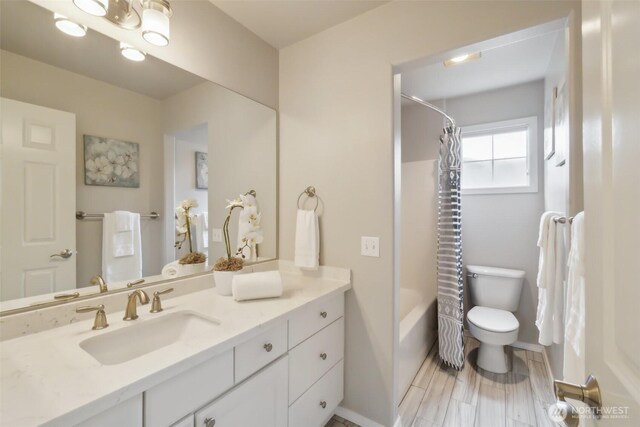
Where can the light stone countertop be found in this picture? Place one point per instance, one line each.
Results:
(47, 379)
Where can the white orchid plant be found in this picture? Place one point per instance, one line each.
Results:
(183, 231)
(251, 237)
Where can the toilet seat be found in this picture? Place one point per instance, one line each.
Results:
(493, 319)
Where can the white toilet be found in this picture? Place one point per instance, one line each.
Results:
(495, 292)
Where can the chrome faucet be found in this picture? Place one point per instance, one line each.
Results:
(98, 280)
(131, 312)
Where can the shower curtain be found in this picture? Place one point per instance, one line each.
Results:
(450, 285)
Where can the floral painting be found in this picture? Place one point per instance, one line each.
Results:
(202, 170)
(110, 162)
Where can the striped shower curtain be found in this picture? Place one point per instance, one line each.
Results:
(450, 285)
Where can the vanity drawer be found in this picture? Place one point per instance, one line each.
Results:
(316, 406)
(314, 357)
(260, 351)
(168, 402)
(313, 318)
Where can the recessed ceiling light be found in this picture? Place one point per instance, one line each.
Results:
(69, 27)
(93, 7)
(132, 53)
(462, 58)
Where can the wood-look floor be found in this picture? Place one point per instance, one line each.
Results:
(440, 396)
(444, 397)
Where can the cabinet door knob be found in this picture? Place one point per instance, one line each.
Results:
(268, 347)
(209, 422)
(323, 356)
(323, 404)
(323, 314)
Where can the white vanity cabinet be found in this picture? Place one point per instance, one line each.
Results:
(261, 401)
(289, 374)
(127, 413)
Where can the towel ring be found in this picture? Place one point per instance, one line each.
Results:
(310, 192)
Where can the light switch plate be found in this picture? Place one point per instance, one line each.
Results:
(216, 234)
(370, 246)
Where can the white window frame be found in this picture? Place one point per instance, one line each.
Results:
(531, 123)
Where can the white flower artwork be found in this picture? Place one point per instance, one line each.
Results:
(202, 170)
(110, 162)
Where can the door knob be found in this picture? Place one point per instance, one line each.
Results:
(589, 393)
(63, 254)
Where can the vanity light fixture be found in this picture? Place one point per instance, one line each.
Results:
(93, 7)
(155, 20)
(132, 53)
(69, 27)
(462, 59)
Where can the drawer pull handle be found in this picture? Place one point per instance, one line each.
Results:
(267, 347)
(323, 356)
(323, 314)
(209, 422)
(322, 403)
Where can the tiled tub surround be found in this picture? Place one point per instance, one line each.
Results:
(47, 379)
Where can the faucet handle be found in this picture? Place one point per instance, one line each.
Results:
(156, 305)
(100, 321)
(135, 283)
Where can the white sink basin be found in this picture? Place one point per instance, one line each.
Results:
(145, 336)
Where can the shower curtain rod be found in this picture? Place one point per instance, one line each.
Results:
(433, 107)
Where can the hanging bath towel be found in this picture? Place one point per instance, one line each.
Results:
(450, 284)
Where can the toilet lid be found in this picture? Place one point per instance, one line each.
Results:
(493, 319)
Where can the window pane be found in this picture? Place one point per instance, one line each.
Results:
(510, 173)
(476, 148)
(476, 174)
(511, 144)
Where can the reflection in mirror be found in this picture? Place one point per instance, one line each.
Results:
(99, 151)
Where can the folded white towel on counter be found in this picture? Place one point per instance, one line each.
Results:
(170, 270)
(121, 250)
(267, 284)
(307, 247)
(202, 231)
(575, 304)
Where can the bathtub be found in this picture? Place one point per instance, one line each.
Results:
(417, 335)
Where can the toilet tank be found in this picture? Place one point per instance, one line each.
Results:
(495, 287)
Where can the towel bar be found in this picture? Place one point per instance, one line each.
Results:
(310, 191)
(563, 220)
(83, 215)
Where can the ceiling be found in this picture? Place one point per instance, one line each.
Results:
(500, 66)
(284, 22)
(28, 30)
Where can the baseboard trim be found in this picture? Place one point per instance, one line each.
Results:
(354, 417)
(528, 346)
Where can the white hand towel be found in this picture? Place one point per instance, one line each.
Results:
(549, 316)
(545, 274)
(202, 232)
(575, 304)
(121, 251)
(266, 284)
(123, 234)
(307, 248)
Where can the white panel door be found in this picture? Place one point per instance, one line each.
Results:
(38, 200)
(611, 69)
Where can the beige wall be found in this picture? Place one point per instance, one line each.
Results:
(336, 134)
(242, 154)
(101, 110)
(204, 41)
